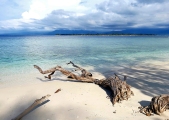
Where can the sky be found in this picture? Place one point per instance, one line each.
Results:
(102, 15)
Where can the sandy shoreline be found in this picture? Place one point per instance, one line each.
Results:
(85, 101)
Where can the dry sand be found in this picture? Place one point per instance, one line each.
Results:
(84, 101)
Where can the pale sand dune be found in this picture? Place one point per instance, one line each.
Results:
(84, 101)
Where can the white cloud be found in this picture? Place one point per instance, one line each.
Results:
(12, 9)
(41, 8)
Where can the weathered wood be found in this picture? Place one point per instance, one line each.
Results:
(158, 105)
(58, 90)
(31, 107)
(46, 71)
(120, 89)
(65, 72)
(85, 73)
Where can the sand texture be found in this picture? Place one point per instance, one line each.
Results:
(84, 101)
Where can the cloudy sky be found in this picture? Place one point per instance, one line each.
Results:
(105, 15)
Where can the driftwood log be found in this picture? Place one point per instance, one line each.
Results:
(158, 105)
(32, 107)
(120, 89)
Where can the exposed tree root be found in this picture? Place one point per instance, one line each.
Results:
(158, 105)
(120, 89)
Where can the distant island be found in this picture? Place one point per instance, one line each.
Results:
(113, 34)
(126, 32)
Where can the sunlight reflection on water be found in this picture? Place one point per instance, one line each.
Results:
(21, 53)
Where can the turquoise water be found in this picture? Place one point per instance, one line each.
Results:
(19, 54)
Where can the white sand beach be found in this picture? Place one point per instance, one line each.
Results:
(84, 101)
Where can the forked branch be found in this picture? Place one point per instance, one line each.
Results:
(85, 73)
(120, 89)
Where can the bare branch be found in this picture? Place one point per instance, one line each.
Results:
(32, 107)
(84, 72)
(120, 89)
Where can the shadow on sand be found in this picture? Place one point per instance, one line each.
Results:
(150, 79)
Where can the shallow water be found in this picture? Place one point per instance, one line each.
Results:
(19, 54)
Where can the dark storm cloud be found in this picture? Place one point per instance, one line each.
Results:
(109, 16)
(106, 15)
(152, 1)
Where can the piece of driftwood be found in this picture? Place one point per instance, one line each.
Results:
(32, 107)
(120, 89)
(85, 73)
(65, 72)
(158, 105)
(58, 90)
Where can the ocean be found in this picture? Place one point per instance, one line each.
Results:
(18, 54)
